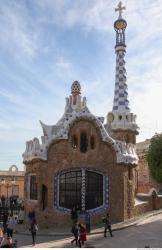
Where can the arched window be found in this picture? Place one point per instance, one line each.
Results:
(33, 187)
(92, 142)
(74, 141)
(85, 191)
(83, 142)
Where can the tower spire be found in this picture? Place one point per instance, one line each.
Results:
(121, 119)
(120, 96)
(120, 9)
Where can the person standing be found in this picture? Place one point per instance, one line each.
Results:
(31, 216)
(5, 219)
(107, 225)
(21, 216)
(11, 225)
(34, 229)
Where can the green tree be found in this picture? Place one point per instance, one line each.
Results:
(154, 157)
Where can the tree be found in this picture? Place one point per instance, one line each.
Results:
(154, 157)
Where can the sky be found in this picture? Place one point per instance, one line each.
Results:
(45, 45)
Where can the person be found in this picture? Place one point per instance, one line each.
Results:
(1, 237)
(74, 214)
(10, 243)
(5, 219)
(82, 235)
(107, 225)
(21, 216)
(75, 232)
(31, 216)
(11, 224)
(3, 200)
(34, 229)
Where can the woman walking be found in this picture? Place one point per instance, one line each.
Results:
(34, 229)
(82, 235)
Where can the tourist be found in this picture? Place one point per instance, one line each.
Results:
(10, 243)
(74, 214)
(21, 215)
(34, 229)
(75, 232)
(82, 235)
(11, 225)
(31, 216)
(3, 200)
(1, 237)
(5, 219)
(107, 225)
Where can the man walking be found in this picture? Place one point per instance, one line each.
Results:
(107, 225)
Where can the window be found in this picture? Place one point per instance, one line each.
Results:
(92, 142)
(129, 173)
(83, 142)
(72, 189)
(74, 141)
(33, 187)
(94, 190)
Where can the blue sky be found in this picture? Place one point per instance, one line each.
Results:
(47, 44)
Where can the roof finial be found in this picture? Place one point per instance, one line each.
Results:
(120, 9)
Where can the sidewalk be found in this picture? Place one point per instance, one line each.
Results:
(95, 230)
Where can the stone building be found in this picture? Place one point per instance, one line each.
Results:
(145, 181)
(83, 161)
(12, 183)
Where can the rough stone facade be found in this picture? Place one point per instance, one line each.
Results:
(62, 156)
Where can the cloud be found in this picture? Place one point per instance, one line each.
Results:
(46, 45)
(17, 30)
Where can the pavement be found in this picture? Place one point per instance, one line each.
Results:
(144, 230)
(98, 229)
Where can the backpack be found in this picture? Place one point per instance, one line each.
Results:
(35, 228)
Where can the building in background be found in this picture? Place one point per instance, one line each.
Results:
(145, 182)
(12, 183)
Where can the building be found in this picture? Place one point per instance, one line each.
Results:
(145, 180)
(83, 161)
(12, 183)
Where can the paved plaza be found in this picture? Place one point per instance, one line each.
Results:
(146, 233)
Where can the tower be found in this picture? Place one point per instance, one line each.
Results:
(121, 120)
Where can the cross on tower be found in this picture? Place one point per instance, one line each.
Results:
(120, 9)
